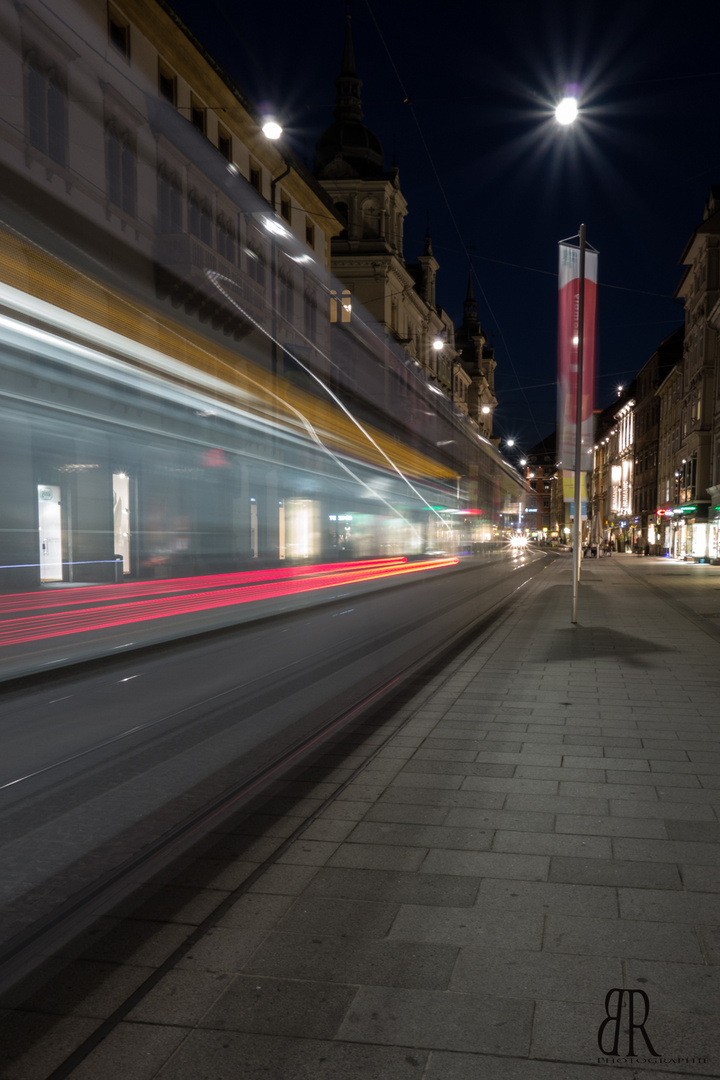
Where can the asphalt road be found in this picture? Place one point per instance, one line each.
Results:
(104, 760)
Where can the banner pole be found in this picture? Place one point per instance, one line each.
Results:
(577, 524)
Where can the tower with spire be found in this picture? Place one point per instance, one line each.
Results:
(477, 357)
(367, 256)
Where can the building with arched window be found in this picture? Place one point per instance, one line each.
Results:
(367, 256)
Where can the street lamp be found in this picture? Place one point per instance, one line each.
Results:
(566, 111)
(271, 129)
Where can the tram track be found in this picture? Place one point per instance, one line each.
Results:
(338, 738)
(80, 907)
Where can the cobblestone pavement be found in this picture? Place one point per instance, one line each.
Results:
(526, 848)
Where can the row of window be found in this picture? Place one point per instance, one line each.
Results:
(647, 459)
(119, 36)
(46, 112)
(47, 131)
(648, 419)
(46, 100)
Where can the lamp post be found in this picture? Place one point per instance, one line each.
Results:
(566, 113)
(273, 131)
(577, 523)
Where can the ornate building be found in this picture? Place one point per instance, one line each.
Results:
(368, 258)
(478, 360)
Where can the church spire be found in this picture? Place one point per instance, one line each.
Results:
(470, 308)
(347, 84)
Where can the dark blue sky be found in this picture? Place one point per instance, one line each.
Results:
(478, 151)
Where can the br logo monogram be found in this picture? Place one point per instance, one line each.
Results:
(627, 1005)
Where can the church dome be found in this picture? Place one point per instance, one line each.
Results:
(347, 148)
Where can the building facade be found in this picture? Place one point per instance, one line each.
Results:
(610, 493)
(139, 196)
(670, 530)
(647, 441)
(699, 289)
(368, 258)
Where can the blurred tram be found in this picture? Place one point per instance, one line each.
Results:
(184, 389)
(137, 449)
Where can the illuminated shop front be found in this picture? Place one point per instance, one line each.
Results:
(714, 539)
(714, 524)
(692, 533)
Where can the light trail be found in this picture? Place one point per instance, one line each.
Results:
(82, 594)
(256, 585)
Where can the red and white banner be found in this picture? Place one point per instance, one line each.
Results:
(568, 339)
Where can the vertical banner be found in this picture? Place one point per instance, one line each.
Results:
(568, 338)
(568, 483)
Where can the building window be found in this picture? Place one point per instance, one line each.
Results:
(225, 238)
(194, 213)
(340, 308)
(206, 222)
(285, 207)
(310, 314)
(198, 115)
(119, 33)
(169, 200)
(256, 263)
(199, 217)
(167, 84)
(286, 296)
(46, 109)
(309, 234)
(121, 168)
(225, 143)
(256, 178)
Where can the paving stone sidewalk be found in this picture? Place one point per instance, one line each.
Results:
(534, 830)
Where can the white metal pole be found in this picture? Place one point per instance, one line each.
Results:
(577, 523)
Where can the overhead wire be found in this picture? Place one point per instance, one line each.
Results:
(407, 100)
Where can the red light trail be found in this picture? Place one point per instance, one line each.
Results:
(143, 601)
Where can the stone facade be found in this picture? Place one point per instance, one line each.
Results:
(368, 257)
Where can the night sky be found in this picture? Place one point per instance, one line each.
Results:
(482, 159)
